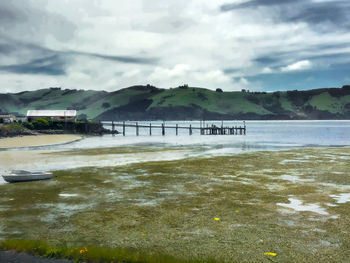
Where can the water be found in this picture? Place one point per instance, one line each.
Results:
(261, 135)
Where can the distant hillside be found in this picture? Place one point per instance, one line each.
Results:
(185, 103)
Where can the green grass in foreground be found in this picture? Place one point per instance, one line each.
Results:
(89, 253)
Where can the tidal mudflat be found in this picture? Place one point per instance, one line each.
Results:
(295, 203)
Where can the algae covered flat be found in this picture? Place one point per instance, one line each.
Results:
(231, 208)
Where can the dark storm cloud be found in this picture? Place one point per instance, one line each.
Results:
(266, 60)
(323, 54)
(53, 65)
(322, 16)
(7, 15)
(122, 59)
(229, 71)
(255, 3)
(6, 48)
(333, 15)
(47, 61)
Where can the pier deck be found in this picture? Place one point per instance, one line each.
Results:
(204, 129)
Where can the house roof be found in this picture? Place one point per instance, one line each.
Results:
(51, 113)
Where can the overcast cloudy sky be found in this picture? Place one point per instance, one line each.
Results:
(229, 44)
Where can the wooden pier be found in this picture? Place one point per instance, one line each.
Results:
(203, 129)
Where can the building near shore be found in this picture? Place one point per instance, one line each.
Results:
(7, 118)
(54, 115)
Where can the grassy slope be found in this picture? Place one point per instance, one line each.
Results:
(325, 101)
(314, 104)
(226, 103)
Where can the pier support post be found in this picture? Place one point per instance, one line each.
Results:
(113, 133)
(163, 129)
(190, 130)
(137, 129)
(123, 128)
(150, 129)
(177, 131)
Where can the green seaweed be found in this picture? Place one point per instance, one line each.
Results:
(170, 207)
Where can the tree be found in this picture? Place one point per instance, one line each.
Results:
(219, 90)
(106, 105)
(41, 124)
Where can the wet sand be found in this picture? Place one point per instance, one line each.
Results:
(49, 160)
(37, 140)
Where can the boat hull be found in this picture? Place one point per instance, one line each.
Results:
(16, 178)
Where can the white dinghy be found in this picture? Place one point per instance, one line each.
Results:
(17, 176)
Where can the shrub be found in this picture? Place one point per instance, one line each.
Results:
(13, 129)
(41, 124)
(28, 125)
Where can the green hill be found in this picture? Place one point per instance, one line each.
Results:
(185, 103)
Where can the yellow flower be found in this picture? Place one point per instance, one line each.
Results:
(11, 199)
(143, 234)
(270, 254)
(81, 251)
(237, 211)
(216, 218)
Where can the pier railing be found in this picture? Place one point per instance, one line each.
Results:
(205, 129)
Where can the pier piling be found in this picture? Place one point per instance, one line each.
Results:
(202, 129)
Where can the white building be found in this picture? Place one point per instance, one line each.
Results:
(7, 118)
(56, 115)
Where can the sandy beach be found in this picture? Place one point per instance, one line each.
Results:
(37, 140)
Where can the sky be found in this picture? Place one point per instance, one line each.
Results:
(259, 45)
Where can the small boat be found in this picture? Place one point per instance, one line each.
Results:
(17, 176)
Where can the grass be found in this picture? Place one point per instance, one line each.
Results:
(170, 207)
(227, 103)
(90, 253)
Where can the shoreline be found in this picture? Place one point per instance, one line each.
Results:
(37, 140)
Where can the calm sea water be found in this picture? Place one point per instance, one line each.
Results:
(261, 135)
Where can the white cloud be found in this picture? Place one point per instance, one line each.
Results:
(267, 70)
(298, 66)
(193, 41)
(186, 74)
